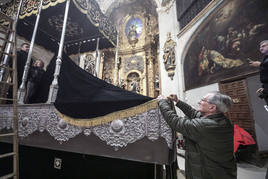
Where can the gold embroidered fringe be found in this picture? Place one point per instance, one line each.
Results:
(110, 117)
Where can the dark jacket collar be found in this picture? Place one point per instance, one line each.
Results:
(216, 116)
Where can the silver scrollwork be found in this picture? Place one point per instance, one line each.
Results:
(61, 130)
(118, 133)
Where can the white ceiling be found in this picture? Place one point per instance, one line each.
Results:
(107, 5)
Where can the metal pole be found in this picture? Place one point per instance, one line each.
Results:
(22, 89)
(97, 66)
(116, 60)
(54, 86)
(7, 49)
(15, 104)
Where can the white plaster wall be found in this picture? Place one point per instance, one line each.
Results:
(167, 21)
(194, 95)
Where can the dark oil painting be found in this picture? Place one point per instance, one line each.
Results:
(226, 42)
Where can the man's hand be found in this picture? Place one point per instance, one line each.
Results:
(259, 90)
(173, 97)
(255, 63)
(161, 97)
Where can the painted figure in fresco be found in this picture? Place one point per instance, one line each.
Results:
(233, 42)
(263, 91)
(252, 30)
(210, 60)
(169, 52)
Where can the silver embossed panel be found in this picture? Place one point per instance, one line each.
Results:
(118, 133)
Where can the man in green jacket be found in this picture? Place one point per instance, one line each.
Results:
(208, 136)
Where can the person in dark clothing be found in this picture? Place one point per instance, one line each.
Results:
(35, 76)
(22, 55)
(208, 136)
(263, 91)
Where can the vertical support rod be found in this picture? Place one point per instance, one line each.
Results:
(22, 89)
(97, 66)
(54, 86)
(15, 106)
(116, 60)
(10, 38)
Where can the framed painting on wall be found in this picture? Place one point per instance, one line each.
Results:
(225, 43)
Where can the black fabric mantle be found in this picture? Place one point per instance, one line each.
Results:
(81, 95)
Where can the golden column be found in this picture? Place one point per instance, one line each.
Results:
(100, 75)
(151, 72)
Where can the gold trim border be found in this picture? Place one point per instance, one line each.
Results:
(110, 117)
(43, 7)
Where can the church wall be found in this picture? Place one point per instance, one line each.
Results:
(191, 96)
(224, 77)
(177, 85)
(167, 22)
(184, 40)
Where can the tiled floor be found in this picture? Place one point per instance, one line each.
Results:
(244, 170)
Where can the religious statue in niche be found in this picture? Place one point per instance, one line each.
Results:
(122, 84)
(133, 80)
(133, 30)
(169, 57)
(89, 64)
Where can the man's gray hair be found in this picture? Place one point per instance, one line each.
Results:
(264, 42)
(24, 43)
(223, 102)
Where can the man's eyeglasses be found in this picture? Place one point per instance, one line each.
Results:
(204, 100)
